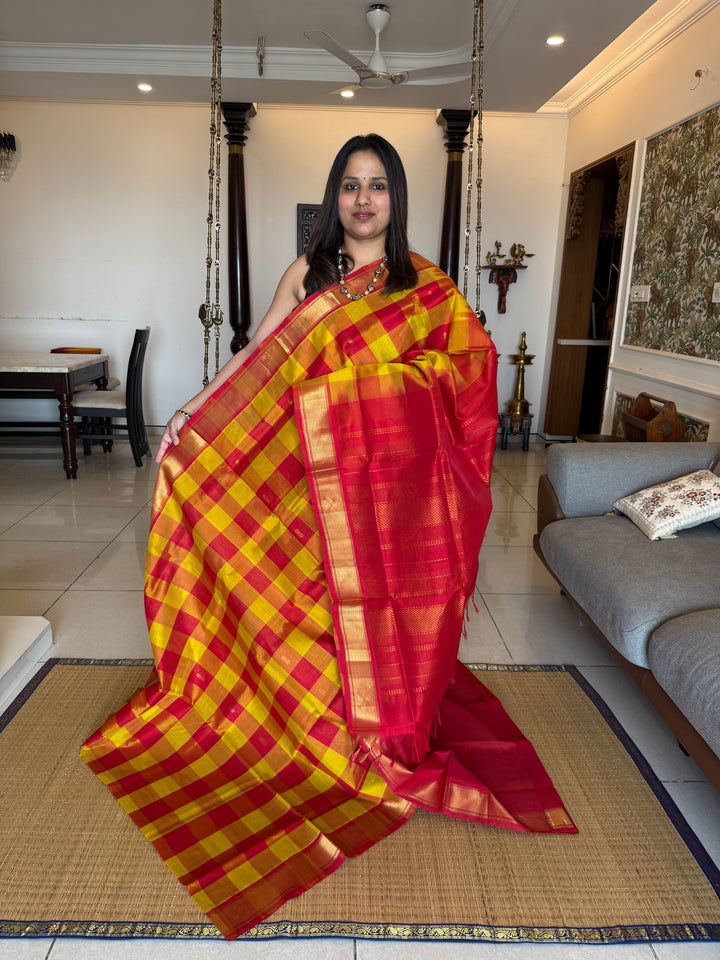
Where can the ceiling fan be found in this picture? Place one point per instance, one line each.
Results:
(376, 74)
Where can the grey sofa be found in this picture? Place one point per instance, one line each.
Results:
(656, 603)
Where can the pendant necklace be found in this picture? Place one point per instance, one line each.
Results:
(369, 288)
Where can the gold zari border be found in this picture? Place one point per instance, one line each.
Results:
(299, 930)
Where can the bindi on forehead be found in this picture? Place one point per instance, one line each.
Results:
(365, 178)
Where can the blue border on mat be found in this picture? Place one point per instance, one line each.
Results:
(436, 933)
(705, 862)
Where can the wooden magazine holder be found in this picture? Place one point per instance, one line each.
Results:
(644, 421)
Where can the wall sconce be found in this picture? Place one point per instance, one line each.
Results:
(505, 272)
(8, 155)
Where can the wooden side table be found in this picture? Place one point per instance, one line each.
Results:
(515, 423)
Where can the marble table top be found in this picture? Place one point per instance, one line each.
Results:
(35, 361)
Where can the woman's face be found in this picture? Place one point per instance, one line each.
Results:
(364, 198)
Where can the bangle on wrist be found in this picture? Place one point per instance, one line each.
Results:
(184, 413)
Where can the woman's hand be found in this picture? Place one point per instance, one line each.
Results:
(171, 437)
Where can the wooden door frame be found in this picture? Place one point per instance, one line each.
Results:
(577, 274)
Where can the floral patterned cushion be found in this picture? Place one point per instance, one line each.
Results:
(661, 510)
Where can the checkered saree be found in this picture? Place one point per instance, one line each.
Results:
(313, 547)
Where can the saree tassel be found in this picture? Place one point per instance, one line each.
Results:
(388, 748)
(421, 745)
(436, 725)
(359, 753)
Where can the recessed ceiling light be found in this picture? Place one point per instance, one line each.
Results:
(347, 93)
(555, 41)
(145, 87)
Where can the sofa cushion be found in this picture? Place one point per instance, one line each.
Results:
(684, 656)
(663, 509)
(589, 477)
(627, 584)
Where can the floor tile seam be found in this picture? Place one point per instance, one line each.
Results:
(75, 590)
(35, 505)
(129, 523)
(133, 518)
(46, 540)
(505, 589)
(84, 499)
(510, 489)
(497, 627)
(696, 779)
(7, 529)
(516, 485)
(515, 482)
(519, 547)
(528, 511)
(88, 565)
(55, 601)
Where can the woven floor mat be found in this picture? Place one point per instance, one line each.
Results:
(73, 864)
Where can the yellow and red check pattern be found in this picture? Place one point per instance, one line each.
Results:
(236, 760)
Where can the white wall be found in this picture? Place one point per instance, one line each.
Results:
(523, 201)
(108, 204)
(108, 213)
(654, 96)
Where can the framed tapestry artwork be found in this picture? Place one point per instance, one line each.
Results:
(307, 214)
(678, 242)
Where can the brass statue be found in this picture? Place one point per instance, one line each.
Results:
(505, 272)
(515, 259)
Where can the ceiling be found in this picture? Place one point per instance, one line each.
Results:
(101, 49)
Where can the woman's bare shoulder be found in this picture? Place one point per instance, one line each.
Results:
(294, 278)
(298, 268)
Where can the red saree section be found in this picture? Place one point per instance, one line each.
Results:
(398, 458)
(305, 602)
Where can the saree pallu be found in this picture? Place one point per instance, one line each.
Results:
(313, 547)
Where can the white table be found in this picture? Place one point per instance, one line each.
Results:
(33, 374)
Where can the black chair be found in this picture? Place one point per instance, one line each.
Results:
(98, 409)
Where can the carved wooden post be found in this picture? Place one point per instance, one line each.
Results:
(455, 124)
(236, 117)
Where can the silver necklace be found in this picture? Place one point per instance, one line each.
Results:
(368, 289)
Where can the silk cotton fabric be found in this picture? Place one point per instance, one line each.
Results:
(313, 547)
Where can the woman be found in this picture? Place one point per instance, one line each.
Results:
(314, 543)
(364, 210)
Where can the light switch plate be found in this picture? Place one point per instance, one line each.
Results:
(640, 293)
(716, 293)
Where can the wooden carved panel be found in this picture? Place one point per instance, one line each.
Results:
(576, 204)
(307, 214)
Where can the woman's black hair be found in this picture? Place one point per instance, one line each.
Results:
(327, 235)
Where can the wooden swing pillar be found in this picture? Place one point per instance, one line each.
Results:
(455, 124)
(236, 117)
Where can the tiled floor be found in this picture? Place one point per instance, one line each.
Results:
(72, 551)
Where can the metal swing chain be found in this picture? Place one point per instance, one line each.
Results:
(211, 313)
(475, 159)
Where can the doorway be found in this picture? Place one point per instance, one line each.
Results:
(592, 252)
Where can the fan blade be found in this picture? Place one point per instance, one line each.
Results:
(449, 74)
(332, 46)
